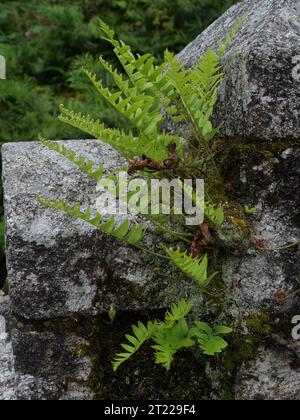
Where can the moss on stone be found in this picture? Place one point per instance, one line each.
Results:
(234, 154)
(244, 347)
(260, 323)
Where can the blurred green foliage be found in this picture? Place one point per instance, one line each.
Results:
(44, 43)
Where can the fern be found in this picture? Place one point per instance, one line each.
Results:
(172, 335)
(128, 145)
(209, 339)
(125, 143)
(134, 67)
(138, 109)
(195, 268)
(132, 236)
(143, 74)
(171, 339)
(188, 96)
(142, 333)
(223, 46)
(177, 312)
(214, 215)
(193, 86)
(182, 92)
(82, 163)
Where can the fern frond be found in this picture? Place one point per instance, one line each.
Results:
(171, 339)
(85, 165)
(209, 339)
(121, 82)
(195, 268)
(207, 73)
(140, 109)
(125, 143)
(143, 74)
(132, 236)
(215, 215)
(110, 33)
(229, 37)
(141, 333)
(177, 311)
(195, 103)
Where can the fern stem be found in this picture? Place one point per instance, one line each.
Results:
(291, 295)
(218, 295)
(155, 254)
(279, 248)
(181, 235)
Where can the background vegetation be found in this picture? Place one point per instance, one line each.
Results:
(45, 44)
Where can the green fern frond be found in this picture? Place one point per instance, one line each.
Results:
(177, 311)
(141, 333)
(141, 110)
(192, 88)
(132, 236)
(123, 84)
(83, 164)
(110, 33)
(209, 339)
(125, 144)
(144, 75)
(195, 268)
(214, 214)
(229, 37)
(172, 335)
(171, 339)
(207, 73)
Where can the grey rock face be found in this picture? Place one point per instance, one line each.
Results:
(68, 266)
(39, 365)
(274, 375)
(272, 187)
(264, 276)
(261, 92)
(7, 377)
(60, 267)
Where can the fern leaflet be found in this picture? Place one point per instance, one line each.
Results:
(132, 236)
(171, 339)
(142, 333)
(126, 144)
(85, 165)
(177, 311)
(195, 268)
(209, 339)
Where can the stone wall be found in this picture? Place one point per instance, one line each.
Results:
(55, 338)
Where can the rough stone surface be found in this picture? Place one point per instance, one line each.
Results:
(272, 187)
(274, 375)
(259, 101)
(7, 389)
(39, 366)
(266, 280)
(261, 91)
(67, 265)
